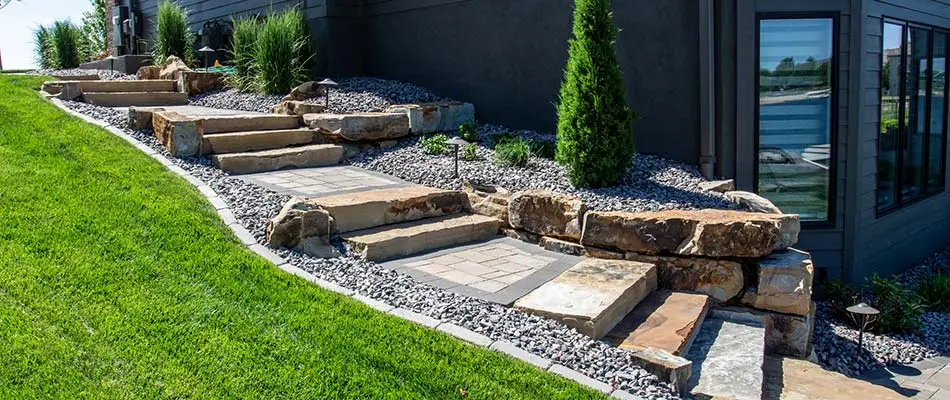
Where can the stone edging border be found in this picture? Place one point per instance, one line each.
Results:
(249, 242)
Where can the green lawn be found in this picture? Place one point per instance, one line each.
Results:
(117, 280)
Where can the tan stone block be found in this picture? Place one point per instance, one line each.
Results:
(546, 213)
(720, 279)
(785, 282)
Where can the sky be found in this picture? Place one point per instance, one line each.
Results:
(18, 20)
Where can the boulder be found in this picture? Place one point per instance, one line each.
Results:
(296, 107)
(722, 280)
(305, 91)
(304, 226)
(488, 200)
(193, 83)
(752, 202)
(140, 118)
(721, 186)
(149, 72)
(63, 90)
(435, 117)
(172, 68)
(708, 233)
(785, 281)
(547, 213)
(180, 135)
(359, 126)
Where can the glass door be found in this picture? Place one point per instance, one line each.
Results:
(795, 116)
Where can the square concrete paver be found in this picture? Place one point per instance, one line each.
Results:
(323, 181)
(500, 270)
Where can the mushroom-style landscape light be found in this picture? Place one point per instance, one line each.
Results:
(112, 59)
(863, 315)
(206, 50)
(327, 84)
(456, 142)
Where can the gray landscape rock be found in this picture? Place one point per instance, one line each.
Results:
(721, 186)
(753, 202)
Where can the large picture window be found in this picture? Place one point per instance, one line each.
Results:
(796, 115)
(913, 114)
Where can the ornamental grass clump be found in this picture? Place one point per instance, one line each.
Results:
(935, 292)
(513, 152)
(243, 41)
(173, 37)
(67, 41)
(281, 53)
(595, 126)
(43, 50)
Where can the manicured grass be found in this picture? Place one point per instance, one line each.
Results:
(117, 280)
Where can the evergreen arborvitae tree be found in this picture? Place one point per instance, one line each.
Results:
(595, 126)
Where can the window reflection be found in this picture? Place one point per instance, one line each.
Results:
(795, 114)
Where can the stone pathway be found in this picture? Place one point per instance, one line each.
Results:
(323, 181)
(928, 379)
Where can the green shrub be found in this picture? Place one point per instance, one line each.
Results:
(468, 131)
(436, 144)
(172, 35)
(888, 124)
(543, 148)
(501, 137)
(282, 52)
(513, 152)
(243, 41)
(94, 24)
(470, 152)
(595, 126)
(67, 42)
(900, 308)
(935, 292)
(43, 50)
(840, 295)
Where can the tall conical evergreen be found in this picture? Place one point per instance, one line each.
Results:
(595, 126)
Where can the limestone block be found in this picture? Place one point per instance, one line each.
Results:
(181, 135)
(304, 226)
(562, 246)
(359, 126)
(719, 279)
(435, 117)
(547, 213)
(172, 67)
(785, 281)
(294, 107)
(753, 202)
(149, 72)
(140, 118)
(721, 186)
(488, 200)
(785, 334)
(193, 83)
(355, 211)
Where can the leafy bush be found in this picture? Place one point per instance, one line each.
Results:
(513, 152)
(172, 35)
(888, 124)
(67, 43)
(595, 126)
(468, 131)
(935, 292)
(900, 308)
(281, 52)
(436, 144)
(470, 153)
(243, 41)
(43, 50)
(94, 31)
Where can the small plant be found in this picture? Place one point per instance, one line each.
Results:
(67, 40)
(501, 137)
(243, 40)
(900, 308)
(282, 52)
(513, 152)
(43, 50)
(542, 148)
(172, 35)
(436, 144)
(468, 131)
(840, 295)
(470, 154)
(935, 292)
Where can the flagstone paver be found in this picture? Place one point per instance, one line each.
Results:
(927, 379)
(323, 181)
(499, 270)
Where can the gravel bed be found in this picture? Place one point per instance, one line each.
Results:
(836, 341)
(253, 206)
(653, 184)
(353, 95)
(104, 74)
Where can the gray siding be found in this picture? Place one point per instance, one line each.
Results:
(892, 242)
(507, 57)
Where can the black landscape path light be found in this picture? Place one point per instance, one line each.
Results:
(327, 84)
(206, 50)
(863, 315)
(456, 142)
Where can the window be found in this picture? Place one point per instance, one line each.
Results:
(795, 115)
(913, 114)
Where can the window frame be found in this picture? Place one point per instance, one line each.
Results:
(832, 217)
(925, 192)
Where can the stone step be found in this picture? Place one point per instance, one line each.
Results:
(152, 85)
(594, 295)
(357, 127)
(408, 238)
(363, 210)
(236, 142)
(245, 123)
(665, 320)
(728, 359)
(125, 99)
(318, 155)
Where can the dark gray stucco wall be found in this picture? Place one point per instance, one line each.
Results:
(507, 57)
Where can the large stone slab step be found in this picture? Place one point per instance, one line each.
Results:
(125, 99)
(408, 238)
(594, 295)
(318, 155)
(728, 359)
(251, 122)
(236, 142)
(369, 209)
(665, 320)
(151, 85)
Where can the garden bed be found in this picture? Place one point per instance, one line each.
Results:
(104, 74)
